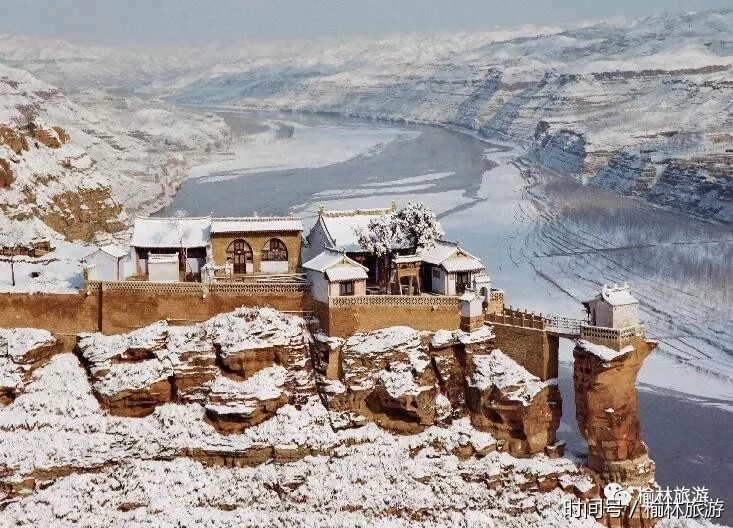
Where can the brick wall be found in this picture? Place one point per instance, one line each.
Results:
(345, 320)
(114, 310)
(123, 310)
(59, 314)
(530, 347)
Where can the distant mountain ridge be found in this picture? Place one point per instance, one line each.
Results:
(642, 107)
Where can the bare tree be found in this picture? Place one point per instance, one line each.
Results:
(182, 232)
(14, 238)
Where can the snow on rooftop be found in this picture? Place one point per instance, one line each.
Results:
(346, 273)
(256, 224)
(184, 232)
(441, 250)
(603, 352)
(328, 259)
(453, 265)
(407, 259)
(162, 258)
(342, 226)
(618, 295)
(499, 370)
(114, 251)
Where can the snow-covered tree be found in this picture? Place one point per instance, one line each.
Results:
(417, 226)
(379, 236)
(414, 226)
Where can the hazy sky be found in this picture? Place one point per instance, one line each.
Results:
(174, 21)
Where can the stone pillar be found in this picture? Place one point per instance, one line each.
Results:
(606, 405)
(472, 311)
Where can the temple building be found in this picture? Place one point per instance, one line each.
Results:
(614, 307)
(187, 237)
(447, 269)
(337, 230)
(232, 247)
(333, 274)
(254, 244)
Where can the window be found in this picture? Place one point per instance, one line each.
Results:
(436, 273)
(274, 249)
(240, 254)
(346, 288)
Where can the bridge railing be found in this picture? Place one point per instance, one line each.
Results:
(563, 325)
(511, 316)
(614, 336)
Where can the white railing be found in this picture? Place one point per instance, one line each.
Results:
(394, 300)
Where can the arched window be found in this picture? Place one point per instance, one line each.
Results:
(240, 254)
(274, 249)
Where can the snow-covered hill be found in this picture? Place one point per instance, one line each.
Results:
(141, 150)
(648, 101)
(642, 107)
(44, 174)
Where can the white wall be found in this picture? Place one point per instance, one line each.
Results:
(626, 315)
(274, 266)
(194, 265)
(451, 288)
(105, 267)
(319, 285)
(163, 271)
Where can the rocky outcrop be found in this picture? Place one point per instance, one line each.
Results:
(514, 405)
(82, 214)
(240, 366)
(13, 139)
(388, 379)
(6, 174)
(22, 351)
(53, 138)
(232, 406)
(405, 381)
(607, 410)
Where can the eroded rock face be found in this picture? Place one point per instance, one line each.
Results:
(232, 406)
(6, 174)
(22, 350)
(514, 405)
(51, 138)
(131, 374)
(240, 366)
(406, 380)
(607, 410)
(13, 139)
(243, 367)
(388, 379)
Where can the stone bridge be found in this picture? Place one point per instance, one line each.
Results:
(563, 326)
(552, 324)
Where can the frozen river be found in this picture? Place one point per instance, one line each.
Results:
(292, 164)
